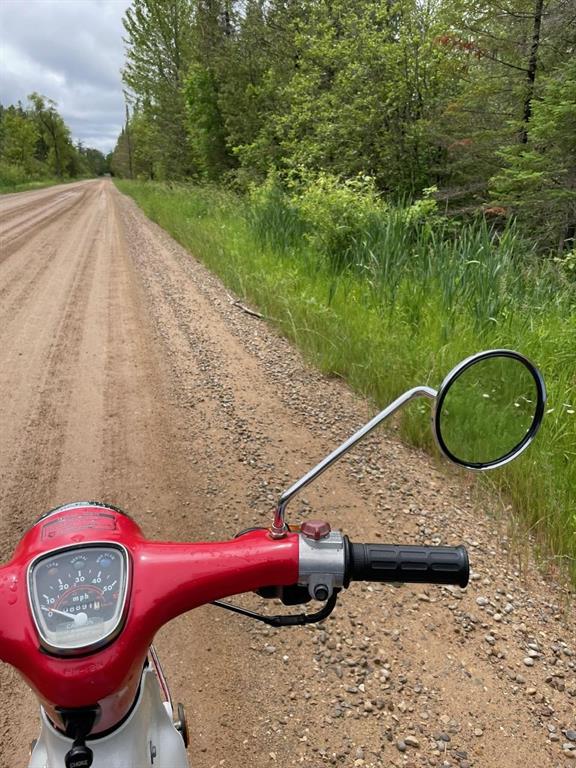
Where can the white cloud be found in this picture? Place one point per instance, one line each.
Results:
(72, 52)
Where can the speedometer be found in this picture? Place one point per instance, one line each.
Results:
(78, 597)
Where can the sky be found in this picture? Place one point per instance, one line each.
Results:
(72, 52)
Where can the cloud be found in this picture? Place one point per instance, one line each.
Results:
(72, 52)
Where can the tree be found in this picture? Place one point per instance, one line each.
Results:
(119, 160)
(53, 131)
(213, 30)
(35, 142)
(244, 55)
(138, 149)
(261, 61)
(19, 138)
(94, 161)
(502, 48)
(158, 55)
(206, 129)
(369, 78)
(538, 180)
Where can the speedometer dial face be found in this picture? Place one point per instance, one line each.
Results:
(78, 596)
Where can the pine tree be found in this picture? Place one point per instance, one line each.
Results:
(538, 180)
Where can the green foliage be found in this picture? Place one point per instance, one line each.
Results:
(20, 136)
(205, 125)
(339, 213)
(36, 146)
(276, 221)
(567, 264)
(94, 161)
(12, 176)
(138, 152)
(55, 135)
(369, 79)
(539, 178)
(158, 55)
(412, 94)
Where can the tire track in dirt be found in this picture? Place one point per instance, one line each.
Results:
(31, 220)
(173, 496)
(20, 206)
(16, 202)
(17, 287)
(33, 279)
(52, 331)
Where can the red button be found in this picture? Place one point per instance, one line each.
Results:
(315, 529)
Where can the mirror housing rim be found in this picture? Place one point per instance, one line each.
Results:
(454, 374)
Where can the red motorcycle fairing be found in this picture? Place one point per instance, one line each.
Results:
(167, 579)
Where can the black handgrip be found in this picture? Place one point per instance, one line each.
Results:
(398, 563)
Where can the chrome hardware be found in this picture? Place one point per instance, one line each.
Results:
(322, 564)
(279, 528)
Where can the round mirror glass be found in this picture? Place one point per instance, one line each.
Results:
(489, 408)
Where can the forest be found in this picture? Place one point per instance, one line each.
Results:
(36, 147)
(475, 99)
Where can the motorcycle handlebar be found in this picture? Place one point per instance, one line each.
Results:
(414, 564)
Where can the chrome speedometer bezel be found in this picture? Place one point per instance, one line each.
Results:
(82, 649)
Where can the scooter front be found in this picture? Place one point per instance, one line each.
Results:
(147, 737)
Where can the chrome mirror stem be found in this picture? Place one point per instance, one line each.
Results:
(279, 528)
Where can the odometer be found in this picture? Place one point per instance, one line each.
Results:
(78, 597)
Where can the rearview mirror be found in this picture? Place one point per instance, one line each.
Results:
(488, 409)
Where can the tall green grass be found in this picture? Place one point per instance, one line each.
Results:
(15, 178)
(389, 297)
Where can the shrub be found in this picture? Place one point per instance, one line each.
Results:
(339, 215)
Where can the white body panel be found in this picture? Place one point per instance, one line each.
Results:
(130, 746)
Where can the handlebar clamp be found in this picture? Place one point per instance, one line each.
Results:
(322, 564)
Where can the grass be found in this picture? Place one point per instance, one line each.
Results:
(392, 297)
(7, 189)
(14, 178)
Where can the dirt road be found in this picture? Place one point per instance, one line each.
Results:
(128, 376)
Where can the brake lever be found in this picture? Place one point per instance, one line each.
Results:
(285, 620)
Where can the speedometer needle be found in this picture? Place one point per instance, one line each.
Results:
(78, 618)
